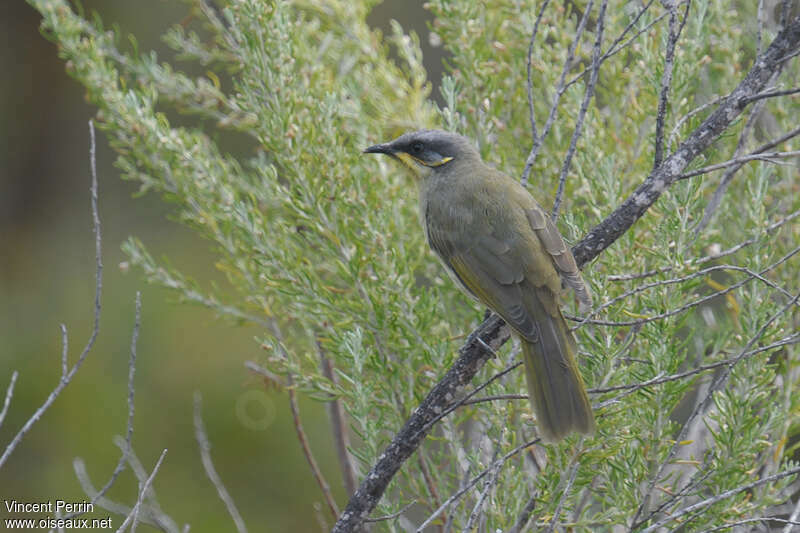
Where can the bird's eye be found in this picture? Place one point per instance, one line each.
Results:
(416, 147)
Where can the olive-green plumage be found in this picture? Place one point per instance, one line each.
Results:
(499, 244)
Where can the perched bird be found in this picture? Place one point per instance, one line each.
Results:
(503, 249)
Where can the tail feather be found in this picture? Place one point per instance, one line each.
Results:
(555, 386)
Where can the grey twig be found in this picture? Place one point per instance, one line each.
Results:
(613, 226)
(762, 520)
(96, 496)
(532, 115)
(9, 395)
(588, 94)
(309, 455)
(524, 516)
(739, 161)
(391, 516)
(793, 518)
(66, 377)
(488, 485)
(616, 47)
(573, 471)
(711, 257)
(338, 426)
(559, 92)
(474, 481)
(770, 94)
(493, 331)
(791, 339)
(728, 175)
(719, 497)
(694, 303)
(134, 514)
(204, 444)
(716, 385)
(666, 78)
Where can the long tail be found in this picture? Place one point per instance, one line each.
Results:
(555, 386)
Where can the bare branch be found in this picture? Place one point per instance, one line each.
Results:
(96, 496)
(66, 378)
(391, 516)
(338, 427)
(587, 97)
(532, 115)
(488, 485)
(610, 229)
(312, 463)
(694, 303)
(559, 91)
(134, 514)
(666, 78)
(524, 516)
(770, 94)
(738, 161)
(793, 518)
(722, 496)
(474, 481)
(705, 259)
(716, 385)
(204, 444)
(573, 471)
(9, 395)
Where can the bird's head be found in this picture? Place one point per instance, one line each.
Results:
(428, 152)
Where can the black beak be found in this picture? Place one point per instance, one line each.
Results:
(384, 148)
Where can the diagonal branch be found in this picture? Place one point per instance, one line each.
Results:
(493, 331)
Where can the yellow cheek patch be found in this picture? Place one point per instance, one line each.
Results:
(411, 161)
(440, 163)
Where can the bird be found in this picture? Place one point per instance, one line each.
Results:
(502, 249)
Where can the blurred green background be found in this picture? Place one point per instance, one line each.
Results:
(47, 278)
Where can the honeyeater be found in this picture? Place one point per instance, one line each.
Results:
(500, 246)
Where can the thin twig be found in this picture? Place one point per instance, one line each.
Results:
(791, 339)
(312, 463)
(588, 94)
(488, 485)
(474, 481)
(694, 303)
(716, 385)
(770, 94)
(573, 472)
(339, 427)
(532, 115)
(559, 91)
(201, 436)
(710, 257)
(391, 516)
(738, 161)
(123, 459)
(524, 515)
(134, 514)
(722, 496)
(730, 173)
(429, 482)
(666, 79)
(616, 47)
(66, 378)
(792, 518)
(9, 395)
